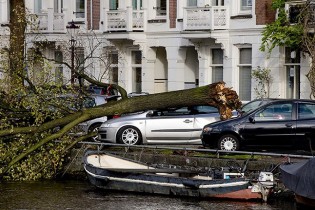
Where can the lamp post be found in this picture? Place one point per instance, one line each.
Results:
(72, 30)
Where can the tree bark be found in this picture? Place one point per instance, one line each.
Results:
(17, 42)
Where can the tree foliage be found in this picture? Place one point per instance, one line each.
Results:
(263, 78)
(299, 36)
(281, 32)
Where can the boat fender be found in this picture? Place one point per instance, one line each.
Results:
(191, 184)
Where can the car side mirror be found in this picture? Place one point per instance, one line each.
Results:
(251, 119)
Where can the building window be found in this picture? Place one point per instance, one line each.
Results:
(80, 9)
(192, 3)
(217, 65)
(38, 6)
(246, 5)
(59, 67)
(137, 4)
(217, 2)
(136, 61)
(292, 66)
(80, 62)
(113, 5)
(245, 71)
(113, 70)
(58, 5)
(161, 8)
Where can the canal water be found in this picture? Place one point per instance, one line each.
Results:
(71, 194)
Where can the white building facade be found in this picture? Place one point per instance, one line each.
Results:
(167, 45)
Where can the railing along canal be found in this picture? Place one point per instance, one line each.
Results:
(101, 145)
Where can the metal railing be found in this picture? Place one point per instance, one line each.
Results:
(198, 150)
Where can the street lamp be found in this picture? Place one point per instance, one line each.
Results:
(72, 30)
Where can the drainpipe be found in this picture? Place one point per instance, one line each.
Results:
(91, 13)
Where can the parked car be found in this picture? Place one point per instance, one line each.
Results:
(171, 126)
(278, 123)
(108, 90)
(94, 124)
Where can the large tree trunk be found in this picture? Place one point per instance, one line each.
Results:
(311, 78)
(17, 42)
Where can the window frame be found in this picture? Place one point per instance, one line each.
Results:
(292, 66)
(159, 5)
(79, 14)
(38, 6)
(245, 11)
(276, 116)
(113, 68)
(241, 67)
(113, 4)
(308, 115)
(58, 6)
(188, 3)
(136, 64)
(215, 66)
(137, 4)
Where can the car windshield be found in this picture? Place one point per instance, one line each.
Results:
(253, 105)
(250, 106)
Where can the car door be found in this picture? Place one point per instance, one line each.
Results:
(170, 126)
(272, 125)
(305, 123)
(203, 115)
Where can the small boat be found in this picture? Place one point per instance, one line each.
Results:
(112, 172)
(299, 177)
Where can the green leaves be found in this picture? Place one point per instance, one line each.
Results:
(281, 32)
(263, 78)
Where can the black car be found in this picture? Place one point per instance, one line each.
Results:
(283, 122)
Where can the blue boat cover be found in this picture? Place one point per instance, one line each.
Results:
(300, 177)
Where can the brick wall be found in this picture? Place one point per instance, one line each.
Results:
(264, 13)
(173, 13)
(95, 15)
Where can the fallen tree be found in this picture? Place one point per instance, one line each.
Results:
(217, 95)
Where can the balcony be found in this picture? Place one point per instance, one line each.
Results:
(124, 20)
(205, 18)
(49, 22)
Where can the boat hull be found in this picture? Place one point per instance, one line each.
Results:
(304, 202)
(143, 180)
(148, 183)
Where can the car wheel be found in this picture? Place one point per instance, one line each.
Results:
(129, 135)
(229, 143)
(94, 128)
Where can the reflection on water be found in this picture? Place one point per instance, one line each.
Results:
(81, 195)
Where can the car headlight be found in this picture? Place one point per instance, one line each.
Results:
(207, 129)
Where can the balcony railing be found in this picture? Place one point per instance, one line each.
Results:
(205, 18)
(125, 20)
(49, 22)
(199, 18)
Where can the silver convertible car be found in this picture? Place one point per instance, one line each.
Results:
(171, 126)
